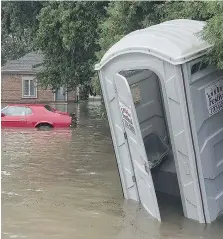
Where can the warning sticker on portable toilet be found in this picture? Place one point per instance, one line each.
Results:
(127, 117)
(214, 97)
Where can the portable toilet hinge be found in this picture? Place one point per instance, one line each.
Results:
(125, 135)
(134, 178)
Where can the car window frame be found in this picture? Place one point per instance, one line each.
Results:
(2, 110)
(28, 108)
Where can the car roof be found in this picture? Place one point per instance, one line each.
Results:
(27, 105)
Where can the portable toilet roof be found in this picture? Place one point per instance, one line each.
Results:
(192, 102)
(175, 41)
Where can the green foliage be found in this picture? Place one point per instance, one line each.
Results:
(195, 10)
(18, 28)
(12, 48)
(123, 17)
(67, 36)
(74, 35)
(213, 33)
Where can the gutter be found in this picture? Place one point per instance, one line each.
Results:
(18, 72)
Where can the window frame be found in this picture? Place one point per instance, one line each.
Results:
(66, 95)
(29, 78)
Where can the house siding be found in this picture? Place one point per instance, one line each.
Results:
(11, 86)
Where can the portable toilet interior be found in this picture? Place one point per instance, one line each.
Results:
(164, 107)
(153, 126)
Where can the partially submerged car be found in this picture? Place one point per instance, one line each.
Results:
(35, 116)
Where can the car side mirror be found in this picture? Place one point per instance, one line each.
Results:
(2, 114)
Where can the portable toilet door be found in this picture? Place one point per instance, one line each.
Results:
(133, 137)
(162, 49)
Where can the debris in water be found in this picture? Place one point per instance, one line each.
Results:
(92, 173)
(5, 173)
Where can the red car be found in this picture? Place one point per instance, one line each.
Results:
(35, 116)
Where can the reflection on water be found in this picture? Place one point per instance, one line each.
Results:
(65, 184)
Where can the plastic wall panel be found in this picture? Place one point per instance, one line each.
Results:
(209, 129)
(180, 129)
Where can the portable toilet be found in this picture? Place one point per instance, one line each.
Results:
(164, 107)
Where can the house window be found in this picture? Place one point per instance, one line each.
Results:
(29, 88)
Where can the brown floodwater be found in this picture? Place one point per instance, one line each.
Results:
(65, 184)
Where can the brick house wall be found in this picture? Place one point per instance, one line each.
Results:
(11, 91)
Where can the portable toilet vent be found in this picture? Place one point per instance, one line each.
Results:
(164, 107)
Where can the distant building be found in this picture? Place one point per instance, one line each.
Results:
(19, 83)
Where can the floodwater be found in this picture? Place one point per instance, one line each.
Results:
(65, 184)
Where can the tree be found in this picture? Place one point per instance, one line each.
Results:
(19, 25)
(73, 36)
(123, 17)
(214, 35)
(67, 37)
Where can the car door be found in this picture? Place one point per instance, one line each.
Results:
(32, 117)
(14, 116)
(136, 147)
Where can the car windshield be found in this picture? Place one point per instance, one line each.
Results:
(49, 108)
(4, 108)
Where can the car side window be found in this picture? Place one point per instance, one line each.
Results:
(14, 111)
(47, 107)
(28, 111)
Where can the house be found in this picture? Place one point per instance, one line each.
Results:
(19, 83)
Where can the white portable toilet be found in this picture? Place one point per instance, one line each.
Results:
(164, 107)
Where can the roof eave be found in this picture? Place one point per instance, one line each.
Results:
(19, 72)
